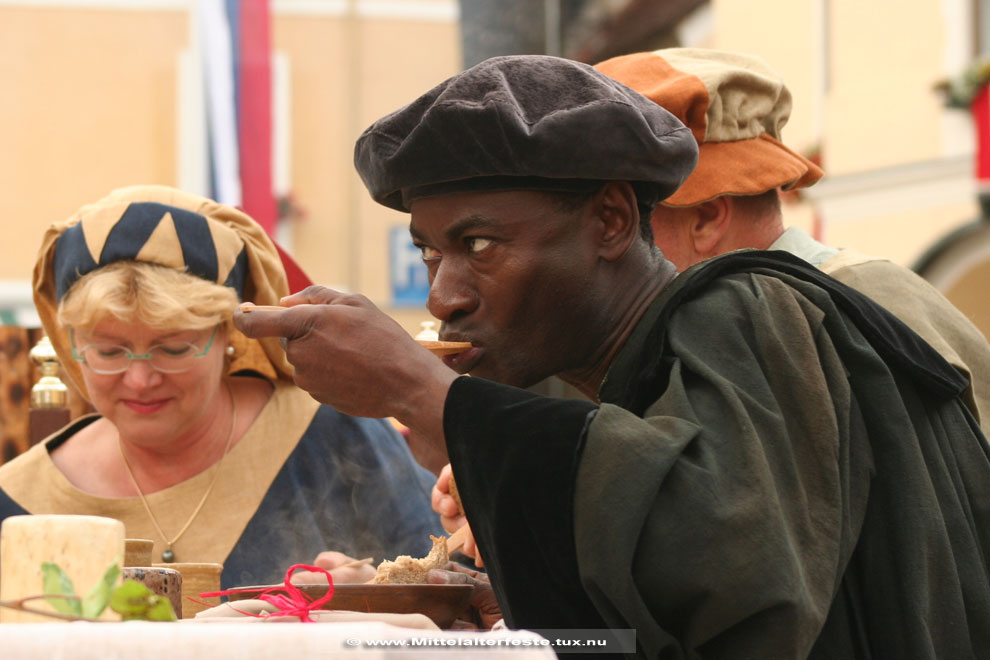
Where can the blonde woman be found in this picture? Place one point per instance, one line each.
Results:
(200, 440)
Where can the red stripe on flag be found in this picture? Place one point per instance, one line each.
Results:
(255, 112)
(981, 117)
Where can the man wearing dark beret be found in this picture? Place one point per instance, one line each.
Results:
(769, 465)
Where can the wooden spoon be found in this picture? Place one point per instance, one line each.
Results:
(444, 347)
(456, 540)
(438, 348)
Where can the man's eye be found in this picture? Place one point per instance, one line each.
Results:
(429, 254)
(477, 244)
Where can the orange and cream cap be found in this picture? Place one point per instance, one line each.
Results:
(735, 105)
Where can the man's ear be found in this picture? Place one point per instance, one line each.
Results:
(709, 224)
(618, 215)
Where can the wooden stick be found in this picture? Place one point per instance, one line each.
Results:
(20, 606)
(261, 308)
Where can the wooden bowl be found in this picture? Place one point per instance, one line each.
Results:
(440, 602)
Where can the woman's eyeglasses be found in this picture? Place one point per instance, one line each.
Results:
(172, 357)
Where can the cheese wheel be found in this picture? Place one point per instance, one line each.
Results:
(83, 546)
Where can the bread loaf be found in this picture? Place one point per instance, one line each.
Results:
(407, 570)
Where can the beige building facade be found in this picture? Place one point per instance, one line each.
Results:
(101, 94)
(104, 94)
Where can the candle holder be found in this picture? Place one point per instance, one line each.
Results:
(49, 396)
(49, 391)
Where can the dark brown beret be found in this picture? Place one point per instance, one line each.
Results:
(524, 122)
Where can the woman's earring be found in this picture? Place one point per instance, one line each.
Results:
(229, 351)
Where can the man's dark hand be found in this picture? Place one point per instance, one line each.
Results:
(349, 354)
(483, 610)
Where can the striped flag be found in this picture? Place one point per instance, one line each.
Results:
(236, 47)
(980, 108)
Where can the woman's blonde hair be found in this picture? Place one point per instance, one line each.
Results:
(157, 296)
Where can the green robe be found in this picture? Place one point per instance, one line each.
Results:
(778, 469)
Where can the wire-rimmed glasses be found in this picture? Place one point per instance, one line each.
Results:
(171, 357)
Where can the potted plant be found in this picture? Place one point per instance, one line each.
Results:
(970, 90)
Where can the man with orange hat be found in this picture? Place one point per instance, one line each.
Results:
(736, 106)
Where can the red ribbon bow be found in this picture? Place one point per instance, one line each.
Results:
(294, 602)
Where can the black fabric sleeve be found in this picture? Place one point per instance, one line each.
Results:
(515, 455)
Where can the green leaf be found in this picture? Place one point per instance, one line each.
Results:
(57, 583)
(96, 600)
(135, 601)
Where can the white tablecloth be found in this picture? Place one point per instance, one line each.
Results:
(140, 640)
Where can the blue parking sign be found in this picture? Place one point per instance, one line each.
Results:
(409, 281)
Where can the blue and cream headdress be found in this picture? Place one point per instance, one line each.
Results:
(165, 226)
(152, 232)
